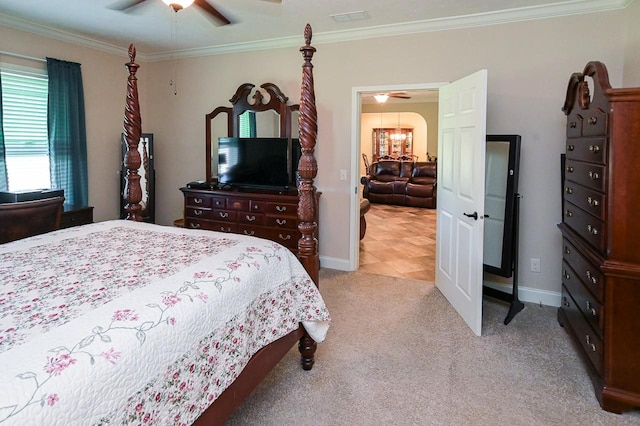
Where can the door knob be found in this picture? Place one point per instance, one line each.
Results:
(474, 215)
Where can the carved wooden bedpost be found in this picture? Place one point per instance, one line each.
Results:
(132, 128)
(307, 170)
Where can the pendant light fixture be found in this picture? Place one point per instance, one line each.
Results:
(178, 4)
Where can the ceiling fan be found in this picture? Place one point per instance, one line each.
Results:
(177, 5)
(383, 96)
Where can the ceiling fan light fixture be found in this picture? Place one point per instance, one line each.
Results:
(381, 97)
(178, 4)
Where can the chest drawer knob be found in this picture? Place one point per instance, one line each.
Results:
(592, 120)
(591, 309)
(224, 215)
(194, 225)
(591, 277)
(569, 169)
(568, 213)
(566, 275)
(587, 339)
(570, 147)
(250, 218)
(593, 202)
(251, 234)
(568, 190)
(281, 208)
(573, 124)
(592, 230)
(281, 221)
(197, 212)
(594, 148)
(565, 302)
(197, 200)
(567, 250)
(594, 175)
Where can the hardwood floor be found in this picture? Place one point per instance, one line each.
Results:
(400, 241)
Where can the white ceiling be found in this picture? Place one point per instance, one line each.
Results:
(159, 33)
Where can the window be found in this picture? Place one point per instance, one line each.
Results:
(24, 119)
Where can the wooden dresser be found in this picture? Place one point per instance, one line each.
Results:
(600, 233)
(266, 214)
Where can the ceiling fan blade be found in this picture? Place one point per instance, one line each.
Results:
(124, 4)
(399, 96)
(273, 1)
(219, 17)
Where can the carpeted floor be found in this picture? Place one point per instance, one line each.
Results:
(398, 354)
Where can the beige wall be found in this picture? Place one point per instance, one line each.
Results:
(104, 80)
(632, 45)
(528, 63)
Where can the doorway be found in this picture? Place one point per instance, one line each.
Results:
(388, 224)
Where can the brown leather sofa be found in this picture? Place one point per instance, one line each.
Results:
(403, 183)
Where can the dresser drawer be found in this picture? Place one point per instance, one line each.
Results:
(574, 126)
(590, 228)
(589, 175)
(587, 149)
(586, 338)
(251, 218)
(588, 200)
(225, 215)
(281, 221)
(198, 213)
(222, 226)
(590, 275)
(594, 123)
(586, 302)
(238, 204)
(282, 209)
(197, 201)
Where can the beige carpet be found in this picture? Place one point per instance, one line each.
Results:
(398, 354)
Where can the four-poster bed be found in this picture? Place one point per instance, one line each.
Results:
(128, 322)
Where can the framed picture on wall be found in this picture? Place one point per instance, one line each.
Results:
(147, 178)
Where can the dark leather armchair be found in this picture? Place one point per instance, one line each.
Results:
(28, 218)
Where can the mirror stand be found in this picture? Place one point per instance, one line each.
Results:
(515, 305)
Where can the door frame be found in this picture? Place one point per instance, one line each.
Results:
(356, 111)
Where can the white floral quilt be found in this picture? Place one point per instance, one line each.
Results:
(130, 323)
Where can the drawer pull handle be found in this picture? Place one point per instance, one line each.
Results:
(256, 207)
(567, 250)
(197, 212)
(569, 213)
(570, 147)
(566, 275)
(569, 169)
(594, 148)
(284, 237)
(594, 176)
(224, 215)
(592, 120)
(568, 190)
(250, 218)
(592, 230)
(591, 309)
(565, 302)
(587, 339)
(281, 208)
(251, 234)
(593, 202)
(281, 221)
(197, 200)
(573, 124)
(591, 277)
(194, 225)
(223, 229)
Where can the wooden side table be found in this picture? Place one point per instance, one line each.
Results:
(76, 216)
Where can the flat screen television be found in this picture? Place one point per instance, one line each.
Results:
(268, 163)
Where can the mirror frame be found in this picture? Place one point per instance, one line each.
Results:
(243, 101)
(510, 228)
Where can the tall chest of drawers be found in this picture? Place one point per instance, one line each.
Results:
(601, 234)
(269, 215)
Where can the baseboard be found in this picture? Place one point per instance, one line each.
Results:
(528, 294)
(335, 263)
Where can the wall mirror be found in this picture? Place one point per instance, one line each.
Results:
(501, 204)
(254, 112)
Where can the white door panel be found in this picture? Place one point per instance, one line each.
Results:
(461, 169)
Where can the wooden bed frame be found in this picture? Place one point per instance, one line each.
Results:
(266, 358)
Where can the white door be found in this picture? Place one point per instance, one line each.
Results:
(461, 154)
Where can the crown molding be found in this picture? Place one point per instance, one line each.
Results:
(575, 7)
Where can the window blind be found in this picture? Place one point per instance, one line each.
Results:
(24, 119)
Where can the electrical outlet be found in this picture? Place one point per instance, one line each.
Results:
(535, 265)
(343, 174)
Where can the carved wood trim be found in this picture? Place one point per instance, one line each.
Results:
(132, 129)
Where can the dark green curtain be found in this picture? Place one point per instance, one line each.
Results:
(67, 131)
(4, 186)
